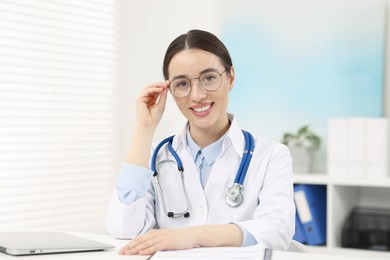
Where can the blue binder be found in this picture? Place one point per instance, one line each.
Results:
(299, 235)
(310, 201)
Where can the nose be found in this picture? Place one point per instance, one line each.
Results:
(197, 92)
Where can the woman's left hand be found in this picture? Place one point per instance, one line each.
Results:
(159, 240)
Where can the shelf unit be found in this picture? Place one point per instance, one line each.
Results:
(344, 193)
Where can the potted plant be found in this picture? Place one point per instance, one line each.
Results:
(302, 145)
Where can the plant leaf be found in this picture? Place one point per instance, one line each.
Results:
(302, 131)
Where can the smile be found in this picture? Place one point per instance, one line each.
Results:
(202, 109)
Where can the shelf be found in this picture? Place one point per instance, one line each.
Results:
(361, 182)
(311, 178)
(343, 194)
(324, 179)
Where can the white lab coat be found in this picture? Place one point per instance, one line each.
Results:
(267, 212)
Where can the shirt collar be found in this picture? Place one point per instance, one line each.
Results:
(210, 152)
(234, 137)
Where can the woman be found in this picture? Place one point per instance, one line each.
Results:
(181, 213)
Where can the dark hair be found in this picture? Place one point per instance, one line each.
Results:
(197, 39)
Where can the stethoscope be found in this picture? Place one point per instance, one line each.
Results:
(233, 197)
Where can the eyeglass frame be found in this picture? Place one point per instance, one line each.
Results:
(198, 78)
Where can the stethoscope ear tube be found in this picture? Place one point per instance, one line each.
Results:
(170, 214)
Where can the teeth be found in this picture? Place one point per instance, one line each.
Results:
(202, 109)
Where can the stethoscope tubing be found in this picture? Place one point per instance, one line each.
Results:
(180, 168)
(238, 181)
(248, 156)
(154, 156)
(177, 158)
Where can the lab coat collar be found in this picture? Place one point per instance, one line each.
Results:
(234, 137)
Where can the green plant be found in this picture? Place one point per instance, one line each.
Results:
(303, 137)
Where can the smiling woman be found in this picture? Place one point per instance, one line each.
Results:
(58, 113)
(206, 107)
(214, 184)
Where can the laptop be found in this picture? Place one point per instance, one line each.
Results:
(46, 242)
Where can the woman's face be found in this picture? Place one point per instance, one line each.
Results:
(205, 110)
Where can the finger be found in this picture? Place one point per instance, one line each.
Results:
(146, 246)
(128, 246)
(153, 91)
(163, 98)
(150, 96)
(129, 249)
(122, 251)
(149, 250)
(163, 85)
(133, 244)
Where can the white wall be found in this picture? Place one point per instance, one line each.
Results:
(386, 80)
(387, 65)
(149, 28)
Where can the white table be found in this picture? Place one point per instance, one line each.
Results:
(113, 253)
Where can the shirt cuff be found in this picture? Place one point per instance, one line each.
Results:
(133, 182)
(248, 239)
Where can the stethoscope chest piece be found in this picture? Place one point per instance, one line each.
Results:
(234, 197)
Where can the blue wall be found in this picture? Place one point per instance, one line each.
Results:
(304, 62)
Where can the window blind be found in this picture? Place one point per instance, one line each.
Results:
(58, 112)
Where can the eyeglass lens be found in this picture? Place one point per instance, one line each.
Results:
(208, 81)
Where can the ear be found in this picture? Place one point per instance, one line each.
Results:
(231, 78)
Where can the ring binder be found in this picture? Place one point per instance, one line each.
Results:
(310, 201)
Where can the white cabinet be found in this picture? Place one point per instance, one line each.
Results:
(343, 194)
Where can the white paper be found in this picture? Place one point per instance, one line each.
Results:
(217, 253)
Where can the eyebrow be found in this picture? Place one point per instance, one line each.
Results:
(200, 73)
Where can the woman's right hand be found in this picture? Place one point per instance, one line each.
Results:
(151, 104)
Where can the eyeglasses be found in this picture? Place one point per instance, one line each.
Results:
(208, 81)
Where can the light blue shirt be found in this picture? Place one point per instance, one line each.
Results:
(209, 154)
(131, 187)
